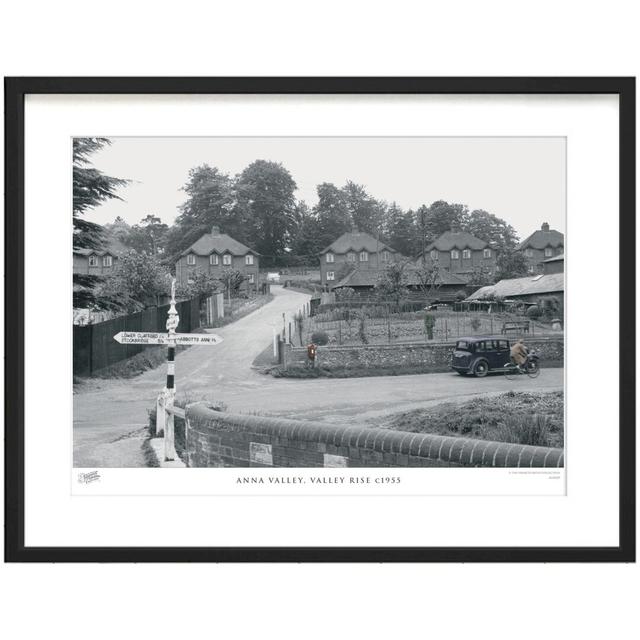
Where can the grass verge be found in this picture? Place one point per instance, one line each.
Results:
(321, 372)
(516, 417)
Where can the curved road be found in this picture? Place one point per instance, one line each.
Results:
(110, 415)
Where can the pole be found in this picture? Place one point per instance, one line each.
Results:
(170, 391)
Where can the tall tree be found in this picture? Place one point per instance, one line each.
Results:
(148, 235)
(265, 200)
(400, 230)
(91, 188)
(441, 216)
(306, 242)
(367, 213)
(119, 229)
(491, 229)
(332, 214)
(210, 201)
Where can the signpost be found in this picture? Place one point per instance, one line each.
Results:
(164, 406)
(142, 337)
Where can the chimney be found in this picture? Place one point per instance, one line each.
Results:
(545, 226)
(215, 230)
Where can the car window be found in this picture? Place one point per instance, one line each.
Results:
(481, 346)
(463, 345)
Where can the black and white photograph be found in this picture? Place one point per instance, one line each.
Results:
(371, 302)
(365, 323)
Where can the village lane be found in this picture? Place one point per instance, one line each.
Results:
(110, 415)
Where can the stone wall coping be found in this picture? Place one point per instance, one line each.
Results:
(462, 451)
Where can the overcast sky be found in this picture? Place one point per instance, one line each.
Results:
(522, 180)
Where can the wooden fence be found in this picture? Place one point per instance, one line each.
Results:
(94, 347)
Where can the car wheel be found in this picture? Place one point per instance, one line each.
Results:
(481, 369)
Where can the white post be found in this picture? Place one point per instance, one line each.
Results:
(170, 392)
(160, 415)
(275, 343)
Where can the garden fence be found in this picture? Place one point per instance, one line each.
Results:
(94, 347)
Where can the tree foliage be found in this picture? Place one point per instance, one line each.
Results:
(200, 284)
(231, 280)
(331, 213)
(91, 188)
(392, 282)
(135, 283)
(511, 264)
(491, 229)
(400, 230)
(428, 276)
(265, 192)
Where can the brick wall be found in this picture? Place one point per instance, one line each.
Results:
(184, 271)
(415, 356)
(215, 439)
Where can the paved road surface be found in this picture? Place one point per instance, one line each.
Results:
(110, 415)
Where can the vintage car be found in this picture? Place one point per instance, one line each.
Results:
(480, 355)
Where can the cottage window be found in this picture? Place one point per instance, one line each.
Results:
(455, 254)
(252, 278)
(214, 259)
(385, 256)
(226, 259)
(434, 254)
(364, 256)
(93, 261)
(331, 275)
(351, 256)
(191, 259)
(548, 252)
(107, 261)
(248, 259)
(330, 257)
(487, 253)
(528, 253)
(466, 254)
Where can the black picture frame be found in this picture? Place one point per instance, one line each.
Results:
(15, 91)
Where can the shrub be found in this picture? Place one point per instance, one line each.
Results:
(320, 338)
(533, 312)
(345, 293)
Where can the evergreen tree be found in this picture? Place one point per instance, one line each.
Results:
(400, 230)
(367, 213)
(91, 188)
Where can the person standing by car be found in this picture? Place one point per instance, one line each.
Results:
(519, 353)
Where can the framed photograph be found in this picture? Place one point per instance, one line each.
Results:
(320, 319)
